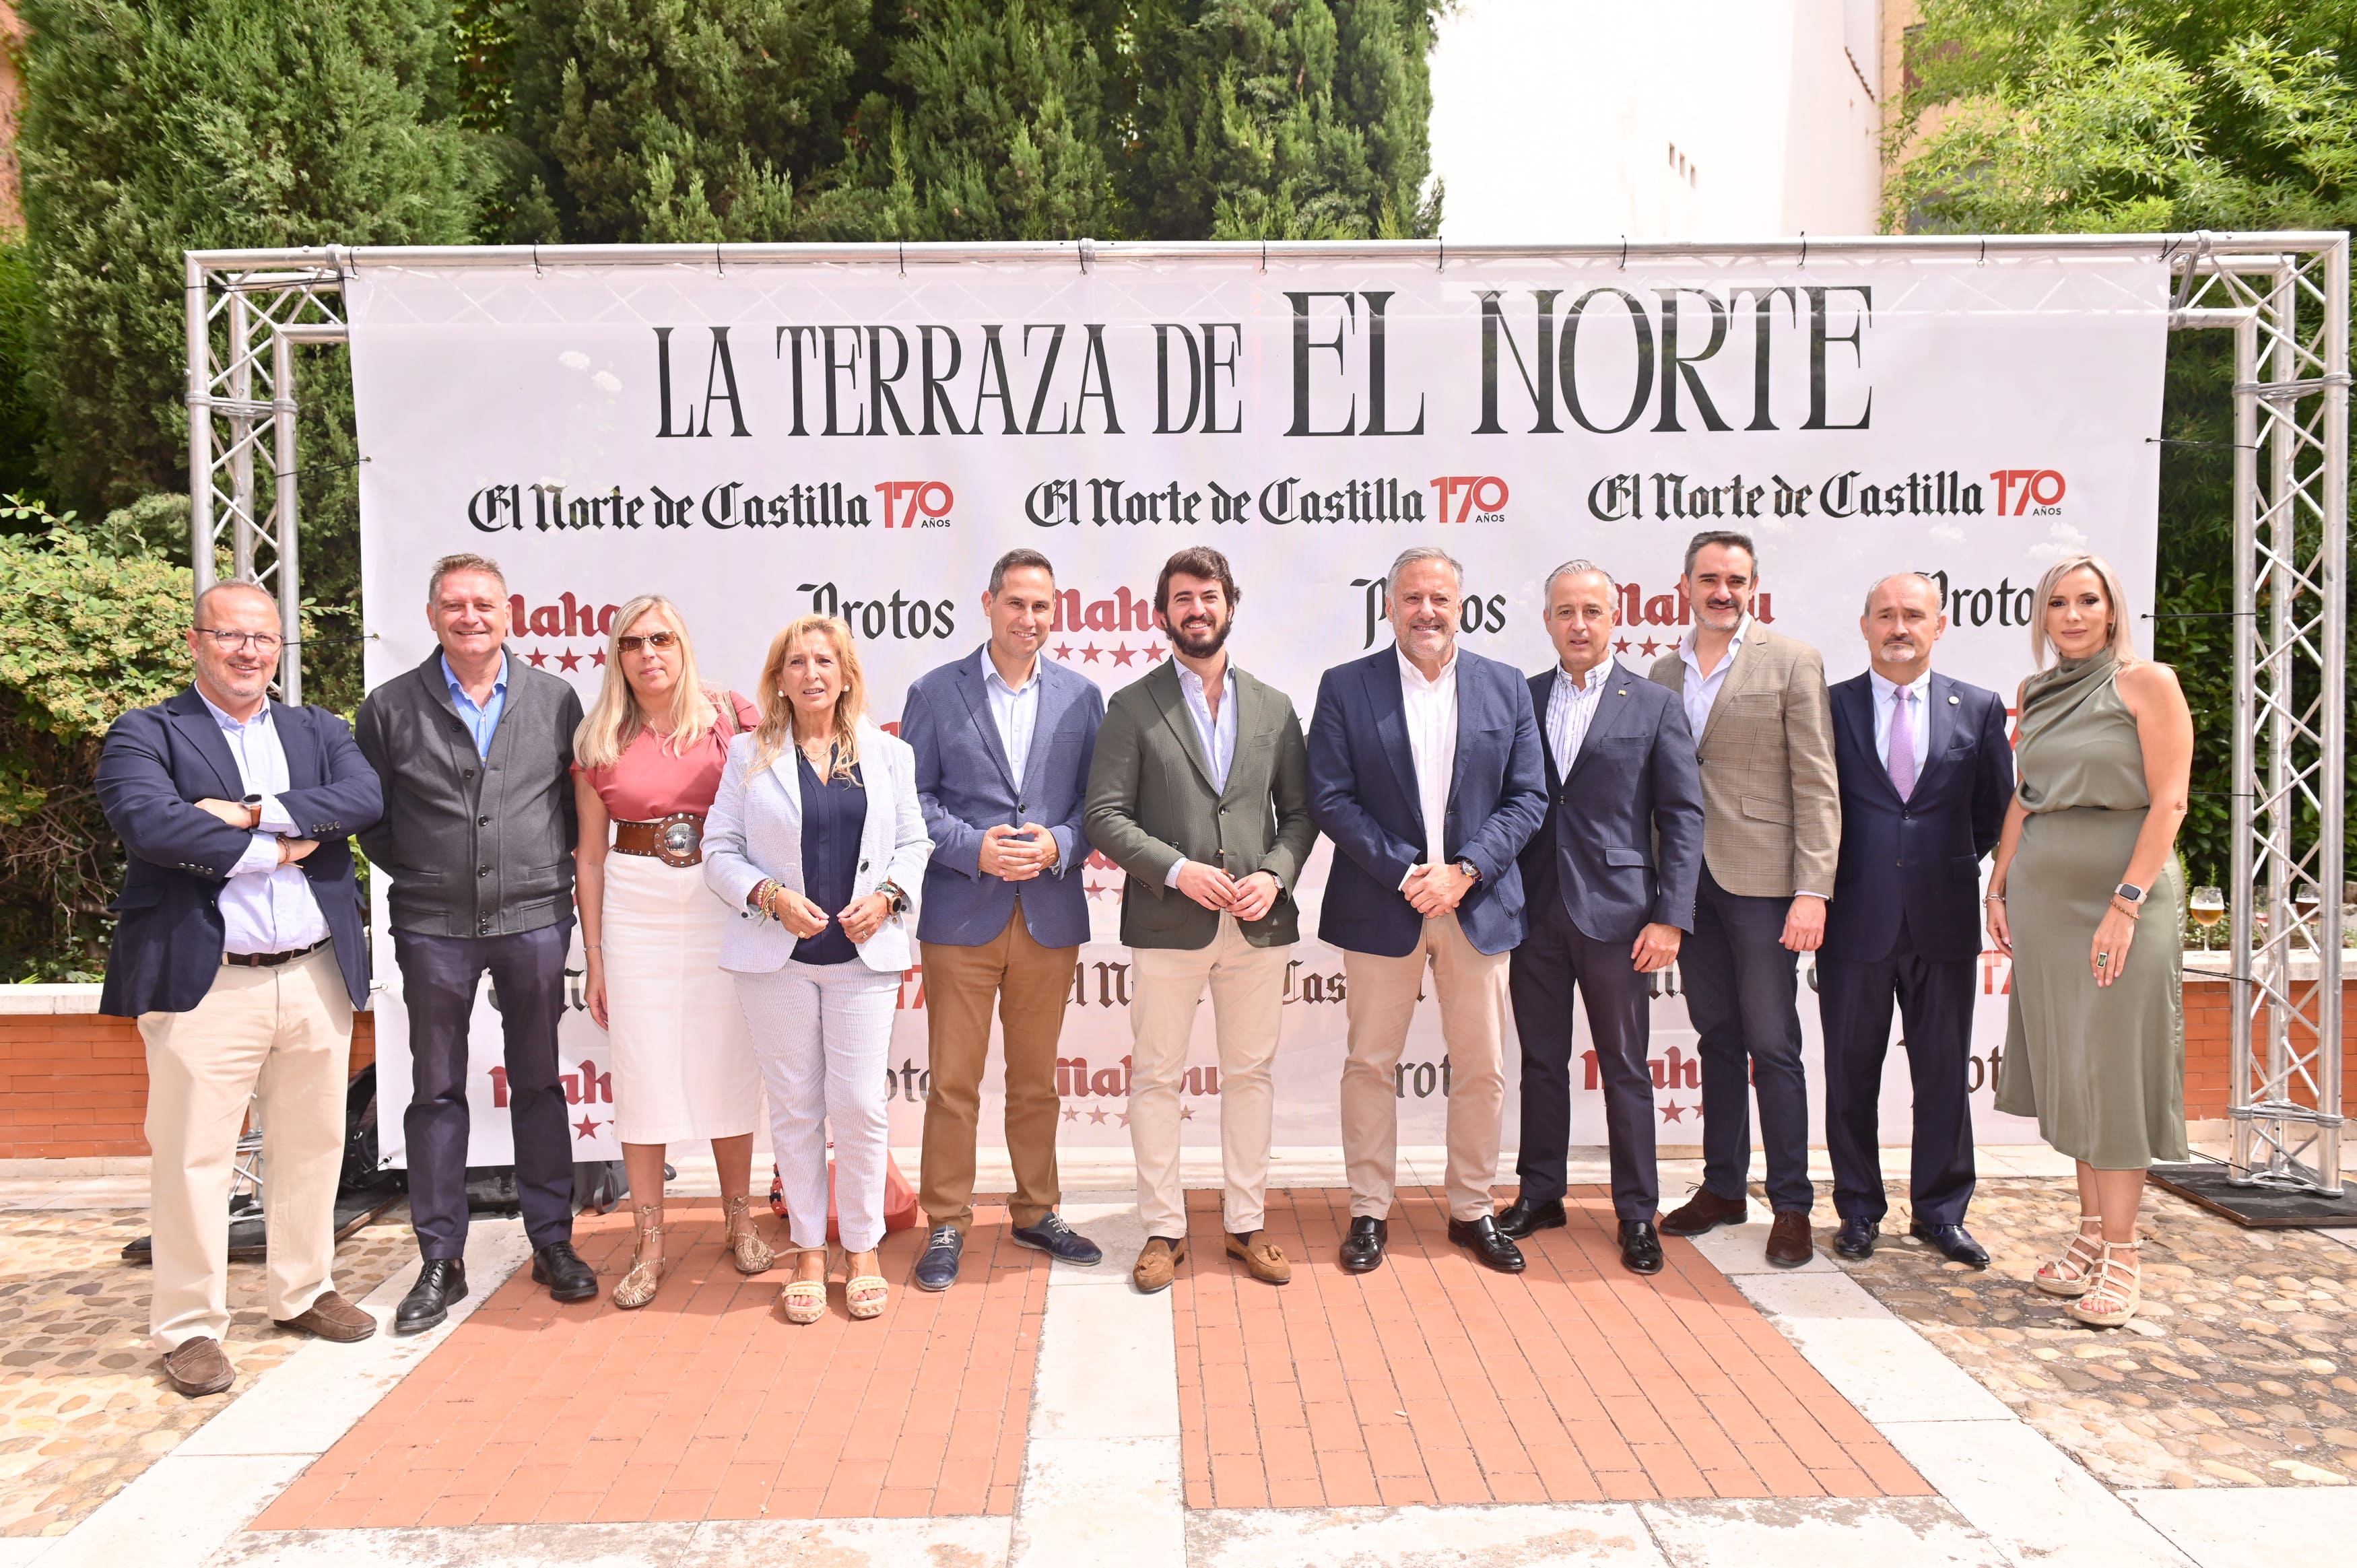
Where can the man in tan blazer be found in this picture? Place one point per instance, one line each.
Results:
(1200, 790)
(1771, 835)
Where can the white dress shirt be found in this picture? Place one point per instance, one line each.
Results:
(265, 906)
(1217, 734)
(1014, 709)
(1701, 690)
(1431, 709)
(1918, 712)
(1571, 708)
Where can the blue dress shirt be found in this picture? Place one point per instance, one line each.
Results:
(265, 906)
(1217, 735)
(482, 722)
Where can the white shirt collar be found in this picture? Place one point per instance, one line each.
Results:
(1190, 682)
(222, 718)
(1590, 682)
(990, 674)
(1413, 676)
(1920, 685)
(1734, 646)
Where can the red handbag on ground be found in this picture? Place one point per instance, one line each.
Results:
(900, 1210)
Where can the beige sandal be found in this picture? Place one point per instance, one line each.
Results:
(802, 1301)
(2074, 1271)
(2117, 1292)
(746, 1249)
(638, 1287)
(864, 1295)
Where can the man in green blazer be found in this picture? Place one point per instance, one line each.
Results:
(1200, 790)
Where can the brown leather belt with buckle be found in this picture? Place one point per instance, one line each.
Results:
(676, 840)
(272, 959)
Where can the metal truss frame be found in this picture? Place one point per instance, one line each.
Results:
(2284, 296)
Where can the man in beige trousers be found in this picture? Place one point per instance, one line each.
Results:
(1771, 835)
(1201, 792)
(241, 951)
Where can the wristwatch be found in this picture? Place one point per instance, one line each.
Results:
(894, 896)
(1472, 872)
(2129, 893)
(253, 804)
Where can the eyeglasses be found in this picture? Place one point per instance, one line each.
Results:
(658, 640)
(237, 641)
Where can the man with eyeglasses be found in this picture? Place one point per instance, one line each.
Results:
(239, 948)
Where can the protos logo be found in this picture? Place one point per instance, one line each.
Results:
(2027, 492)
(916, 503)
(1484, 497)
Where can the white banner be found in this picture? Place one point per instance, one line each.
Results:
(762, 440)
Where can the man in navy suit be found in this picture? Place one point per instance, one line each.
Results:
(1004, 740)
(1610, 877)
(1926, 772)
(1424, 769)
(240, 949)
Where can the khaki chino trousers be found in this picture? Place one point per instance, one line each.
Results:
(1247, 985)
(1472, 985)
(1030, 982)
(284, 1033)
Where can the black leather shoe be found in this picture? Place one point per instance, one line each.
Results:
(1855, 1241)
(1641, 1247)
(1953, 1242)
(560, 1268)
(1521, 1217)
(1058, 1240)
(1362, 1249)
(937, 1267)
(441, 1282)
(1489, 1245)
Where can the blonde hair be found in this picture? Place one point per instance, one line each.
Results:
(777, 726)
(614, 721)
(2122, 645)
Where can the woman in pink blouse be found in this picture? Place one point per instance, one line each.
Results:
(647, 760)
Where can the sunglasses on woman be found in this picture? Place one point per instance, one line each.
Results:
(658, 640)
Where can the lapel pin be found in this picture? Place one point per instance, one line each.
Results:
(1952, 699)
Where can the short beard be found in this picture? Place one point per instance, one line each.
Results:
(1208, 646)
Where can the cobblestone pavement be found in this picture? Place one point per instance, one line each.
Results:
(83, 1405)
(2241, 1370)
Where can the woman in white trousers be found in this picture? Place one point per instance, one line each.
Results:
(817, 840)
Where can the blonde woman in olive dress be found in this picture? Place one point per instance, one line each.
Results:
(2095, 1042)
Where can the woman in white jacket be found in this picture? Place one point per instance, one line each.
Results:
(817, 839)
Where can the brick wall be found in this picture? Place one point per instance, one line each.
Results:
(2209, 1011)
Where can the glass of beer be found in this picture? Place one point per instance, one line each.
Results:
(2208, 907)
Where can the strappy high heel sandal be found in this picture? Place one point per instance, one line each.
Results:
(746, 1249)
(2117, 1290)
(2074, 1271)
(638, 1287)
(802, 1301)
(864, 1295)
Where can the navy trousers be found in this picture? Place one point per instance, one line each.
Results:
(438, 977)
(1742, 987)
(1553, 960)
(1934, 999)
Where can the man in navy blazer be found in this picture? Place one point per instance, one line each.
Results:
(1004, 740)
(239, 948)
(1424, 769)
(1926, 772)
(1610, 877)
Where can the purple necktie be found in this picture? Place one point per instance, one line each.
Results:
(1902, 745)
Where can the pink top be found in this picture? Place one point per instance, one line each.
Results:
(648, 781)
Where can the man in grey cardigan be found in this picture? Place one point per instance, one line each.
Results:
(474, 749)
(1201, 792)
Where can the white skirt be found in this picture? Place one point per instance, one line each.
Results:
(684, 1068)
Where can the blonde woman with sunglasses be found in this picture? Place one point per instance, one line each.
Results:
(648, 759)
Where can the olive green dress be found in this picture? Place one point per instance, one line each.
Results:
(2102, 1069)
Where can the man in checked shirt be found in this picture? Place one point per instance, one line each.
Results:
(1609, 877)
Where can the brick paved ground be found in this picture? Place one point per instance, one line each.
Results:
(706, 1405)
(1434, 1380)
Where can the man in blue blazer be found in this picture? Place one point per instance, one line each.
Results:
(1610, 877)
(1426, 770)
(1926, 772)
(240, 949)
(1004, 740)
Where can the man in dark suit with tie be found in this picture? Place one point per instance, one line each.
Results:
(1609, 877)
(1424, 769)
(1926, 772)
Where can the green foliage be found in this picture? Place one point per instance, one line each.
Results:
(22, 422)
(169, 125)
(2034, 116)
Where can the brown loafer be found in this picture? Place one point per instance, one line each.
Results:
(331, 1317)
(1158, 1265)
(1261, 1257)
(198, 1366)
(1789, 1242)
(1704, 1211)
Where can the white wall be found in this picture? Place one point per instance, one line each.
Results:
(1553, 120)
